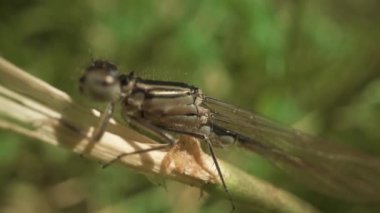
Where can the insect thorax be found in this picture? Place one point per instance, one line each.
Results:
(178, 107)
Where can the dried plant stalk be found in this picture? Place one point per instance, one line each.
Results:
(33, 108)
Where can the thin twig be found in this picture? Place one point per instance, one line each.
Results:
(37, 110)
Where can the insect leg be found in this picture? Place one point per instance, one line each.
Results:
(141, 124)
(209, 144)
(104, 119)
(164, 146)
(99, 130)
(205, 137)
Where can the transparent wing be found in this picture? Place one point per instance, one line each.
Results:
(328, 167)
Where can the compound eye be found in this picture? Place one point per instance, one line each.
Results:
(101, 81)
(108, 80)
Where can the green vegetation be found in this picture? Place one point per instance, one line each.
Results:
(313, 64)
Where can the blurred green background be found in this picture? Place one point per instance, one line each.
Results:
(310, 63)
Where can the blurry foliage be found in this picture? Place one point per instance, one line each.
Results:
(285, 59)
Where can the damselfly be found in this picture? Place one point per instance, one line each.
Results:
(167, 109)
